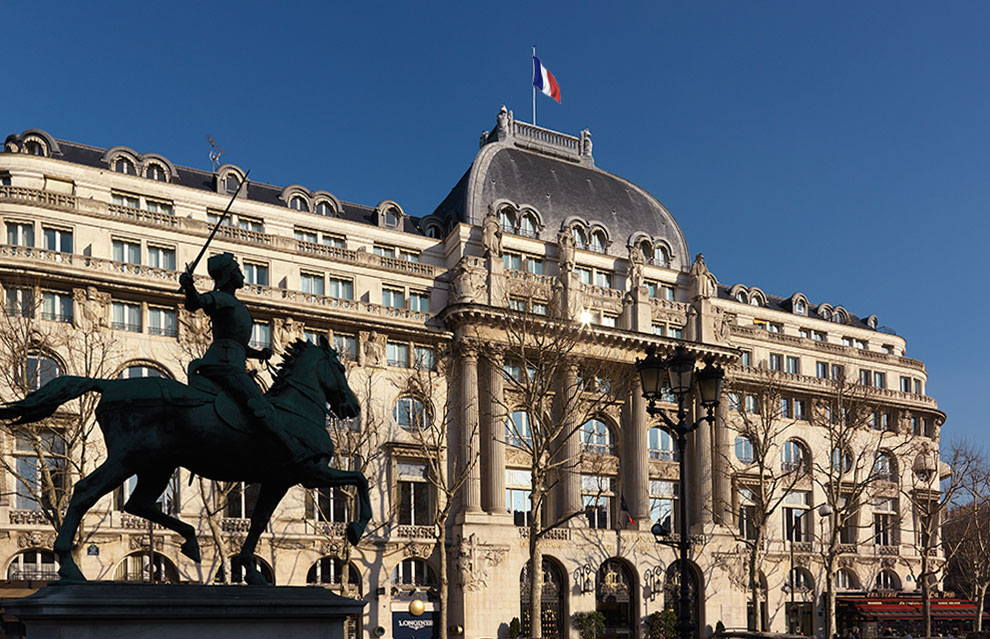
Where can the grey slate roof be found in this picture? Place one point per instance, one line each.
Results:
(784, 304)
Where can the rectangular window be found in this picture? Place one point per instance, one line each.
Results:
(747, 358)
(597, 500)
(255, 273)
(393, 297)
(666, 292)
(796, 521)
(734, 404)
(584, 274)
(59, 240)
(31, 488)
(880, 380)
(512, 261)
(126, 317)
(517, 491)
(603, 279)
(212, 219)
(865, 377)
(414, 495)
(125, 199)
(776, 362)
(752, 406)
(335, 241)
(905, 384)
(126, 252)
(327, 504)
(818, 336)
(760, 324)
(241, 499)
(162, 321)
(250, 224)
(19, 302)
(885, 521)
(419, 301)
(800, 409)
(846, 341)
(4, 179)
(384, 251)
(786, 408)
(397, 354)
(539, 308)
(917, 387)
(821, 370)
(793, 365)
(516, 304)
(340, 288)
(306, 235)
(887, 349)
(161, 257)
(609, 320)
(409, 256)
(774, 328)
(838, 372)
(312, 337)
(858, 343)
(675, 332)
(423, 358)
(803, 332)
(312, 283)
(663, 503)
(261, 335)
(658, 329)
(157, 206)
(534, 265)
(747, 513)
(346, 347)
(56, 307)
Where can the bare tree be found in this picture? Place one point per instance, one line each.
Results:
(763, 415)
(932, 492)
(966, 537)
(555, 380)
(40, 339)
(856, 463)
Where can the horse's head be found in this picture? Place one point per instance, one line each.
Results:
(331, 375)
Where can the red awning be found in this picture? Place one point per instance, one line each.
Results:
(890, 608)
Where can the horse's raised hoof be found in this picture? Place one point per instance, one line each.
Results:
(355, 530)
(191, 549)
(69, 571)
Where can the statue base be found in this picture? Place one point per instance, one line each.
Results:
(115, 610)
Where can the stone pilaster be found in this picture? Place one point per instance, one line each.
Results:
(492, 439)
(470, 428)
(635, 456)
(569, 489)
(722, 497)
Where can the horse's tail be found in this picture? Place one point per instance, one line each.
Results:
(45, 401)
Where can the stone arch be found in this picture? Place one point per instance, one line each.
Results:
(149, 159)
(331, 201)
(149, 364)
(48, 145)
(226, 172)
(739, 293)
(799, 304)
(297, 193)
(696, 590)
(33, 564)
(553, 598)
(383, 212)
(616, 590)
(135, 567)
(757, 297)
(120, 153)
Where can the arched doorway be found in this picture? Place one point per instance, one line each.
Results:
(551, 600)
(672, 593)
(615, 594)
(135, 567)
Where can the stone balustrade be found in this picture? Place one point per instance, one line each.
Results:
(415, 532)
(38, 197)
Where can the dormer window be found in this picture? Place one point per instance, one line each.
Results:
(580, 239)
(598, 241)
(661, 257)
(507, 219)
(298, 203)
(231, 183)
(527, 225)
(325, 208)
(156, 172)
(800, 307)
(125, 166)
(741, 297)
(34, 147)
(391, 218)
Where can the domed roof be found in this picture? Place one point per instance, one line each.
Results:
(518, 166)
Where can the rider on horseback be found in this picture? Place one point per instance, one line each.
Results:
(225, 361)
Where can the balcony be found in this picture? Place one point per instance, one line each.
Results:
(415, 532)
(38, 197)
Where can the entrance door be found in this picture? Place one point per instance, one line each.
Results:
(550, 600)
(615, 599)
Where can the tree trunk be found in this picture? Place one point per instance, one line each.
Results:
(754, 585)
(444, 580)
(926, 595)
(830, 593)
(981, 592)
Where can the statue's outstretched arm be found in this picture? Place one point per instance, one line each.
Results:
(193, 300)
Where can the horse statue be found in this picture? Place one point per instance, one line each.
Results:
(153, 425)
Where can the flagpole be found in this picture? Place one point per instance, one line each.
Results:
(533, 66)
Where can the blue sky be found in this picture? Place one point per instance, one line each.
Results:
(839, 149)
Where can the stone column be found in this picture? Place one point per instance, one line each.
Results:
(722, 497)
(705, 466)
(635, 458)
(470, 434)
(569, 491)
(492, 440)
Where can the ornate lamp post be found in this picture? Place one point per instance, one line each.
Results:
(677, 376)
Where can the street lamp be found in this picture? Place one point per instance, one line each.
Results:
(677, 375)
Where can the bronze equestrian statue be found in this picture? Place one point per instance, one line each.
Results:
(153, 425)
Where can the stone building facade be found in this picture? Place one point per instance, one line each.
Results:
(96, 240)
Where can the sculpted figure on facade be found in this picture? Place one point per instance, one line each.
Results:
(565, 251)
(702, 281)
(466, 282)
(374, 350)
(636, 263)
(475, 561)
(94, 306)
(491, 235)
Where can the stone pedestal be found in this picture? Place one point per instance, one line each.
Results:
(91, 610)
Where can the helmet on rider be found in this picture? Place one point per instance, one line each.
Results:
(222, 268)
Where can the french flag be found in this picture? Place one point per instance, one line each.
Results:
(544, 80)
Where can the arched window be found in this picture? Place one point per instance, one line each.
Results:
(298, 203)
(132, 372)
(800, 307)
(842, 460)
(391, 218)
(580, 239)
(800, 580)
(527, 225)
(410, 414)
(123, 165)
(33, 565)
(553, 600)
(34, 147)
(507, 218)
(845, 579)
(744, 449)
(596, 438)
(237, 574)
(884, 467)
(38, 370)
(412, 575)
(156, 172)
(661, 257)
(324, 207)
(434, 231)
(598, 241)
(231, 183)
(792, 458)
(518, 432)
(754, 300)
(662, 445)
(329, 571)
(134, 567)
(825, 314)
(741, 297)
(888, 581)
